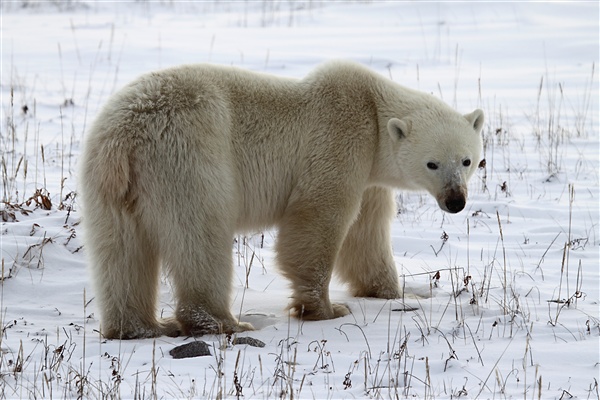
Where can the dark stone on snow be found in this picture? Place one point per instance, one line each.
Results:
(249, 341)
(193, 349)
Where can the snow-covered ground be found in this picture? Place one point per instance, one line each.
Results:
(514, 310)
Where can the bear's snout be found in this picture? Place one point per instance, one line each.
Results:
(453, 200)
(455, 204)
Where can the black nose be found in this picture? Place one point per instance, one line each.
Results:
(455, 204)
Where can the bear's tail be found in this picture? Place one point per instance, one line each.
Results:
(107, 175)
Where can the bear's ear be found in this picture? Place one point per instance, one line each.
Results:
(476, 120)
(398, 128)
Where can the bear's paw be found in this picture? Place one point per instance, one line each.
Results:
(336, 310)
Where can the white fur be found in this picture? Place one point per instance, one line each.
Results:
(181, 159)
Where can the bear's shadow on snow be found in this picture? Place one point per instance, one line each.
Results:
(261, 321)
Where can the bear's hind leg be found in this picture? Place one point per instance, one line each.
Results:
(308, 241)
(365, 260)
(201, 270)
(197, 251)
(126, 275)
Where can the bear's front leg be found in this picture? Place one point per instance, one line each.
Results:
(309, 238)
(365, 261)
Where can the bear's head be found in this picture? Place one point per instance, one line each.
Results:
(437, 150)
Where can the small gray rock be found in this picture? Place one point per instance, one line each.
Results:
(249, 341)
(193, 349)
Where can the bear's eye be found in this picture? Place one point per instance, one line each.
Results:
(467, 163)
(432, 165)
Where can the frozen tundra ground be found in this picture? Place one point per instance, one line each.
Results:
(511, 283)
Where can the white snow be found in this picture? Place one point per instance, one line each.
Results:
(515, 311)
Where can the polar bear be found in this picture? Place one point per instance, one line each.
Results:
(181, 159)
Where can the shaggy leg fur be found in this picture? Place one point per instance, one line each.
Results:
(365, 261)
(201, 270)
(126, 268)
(196, 244)
(308, 241)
